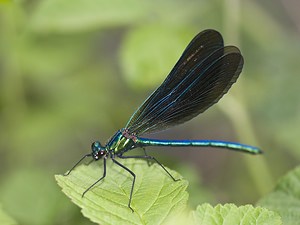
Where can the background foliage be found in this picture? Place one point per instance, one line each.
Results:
(72, 72)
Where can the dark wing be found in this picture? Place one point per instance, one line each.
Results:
(204, 73)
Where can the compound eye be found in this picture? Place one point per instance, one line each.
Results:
(98, 151)
(96, 146)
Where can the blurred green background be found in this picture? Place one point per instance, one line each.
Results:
(72, 72)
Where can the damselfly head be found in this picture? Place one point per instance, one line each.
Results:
(98, 151)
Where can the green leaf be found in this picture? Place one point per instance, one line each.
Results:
(230, 214)
(5, 219)
(285, 199)
(156, 196)
(78, 15)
